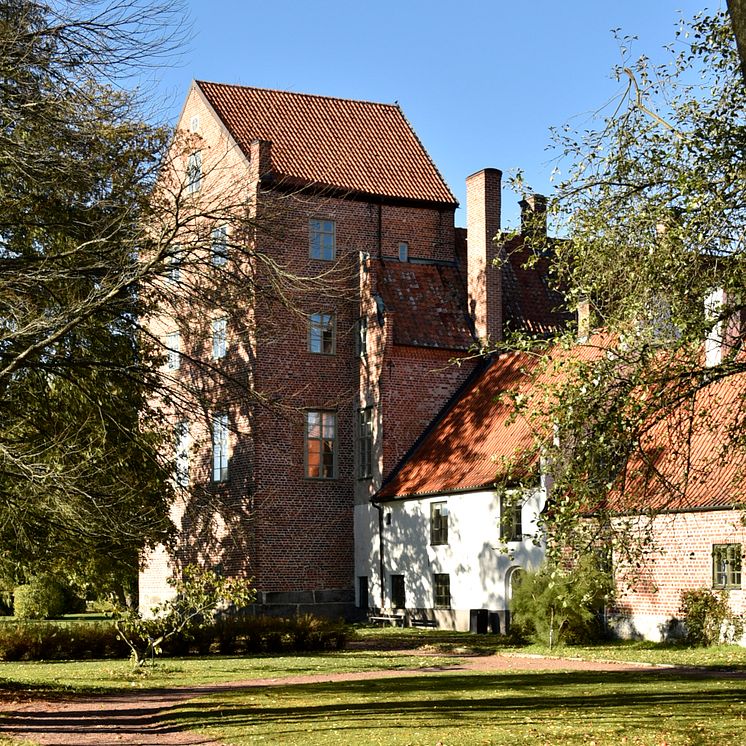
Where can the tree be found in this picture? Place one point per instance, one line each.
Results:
(83, 482)
(737, 10)
(655, 206)
(99, 233)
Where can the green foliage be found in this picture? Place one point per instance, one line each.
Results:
(198, 594)
(83, 483)
(42, 598)
(654, 205)
(708, 617)
(60, 641)
(554, 604)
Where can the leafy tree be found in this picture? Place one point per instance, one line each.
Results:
(83, 484)
(562, 604)
(198, 594)
(655, 208)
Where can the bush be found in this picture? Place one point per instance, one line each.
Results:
(42, 598)
(556, 605)
(708, 618)
(32, 641)
(236, 635)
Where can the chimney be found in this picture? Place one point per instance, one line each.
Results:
(534, 215)
(584, 319)
(484, 279)
(260, 160)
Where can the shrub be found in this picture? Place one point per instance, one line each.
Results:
(42, 598)
(31, 641)
(556, 605)
(708, 617)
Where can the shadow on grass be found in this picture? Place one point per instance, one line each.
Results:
(619, 700)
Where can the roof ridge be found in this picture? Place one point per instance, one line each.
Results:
(311, 95)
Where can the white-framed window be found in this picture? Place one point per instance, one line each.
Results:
(321, 445)
(365, 443)
(403, 251)
(323, 239)
(194, 123)
(511, 516)
(181, 454)
(322, 333)
(219, 338)
(361, 337)
(726, 565)
(194, 172)
(220, 447)
(442, 590)
(173, 265)
(219, 246)
(438, 523)
(173, 350)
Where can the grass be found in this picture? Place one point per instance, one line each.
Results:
(665, 707)
(507, 708)
(109, 675)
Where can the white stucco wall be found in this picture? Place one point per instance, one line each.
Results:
(478, 562)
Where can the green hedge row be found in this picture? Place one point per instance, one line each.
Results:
(21, 641)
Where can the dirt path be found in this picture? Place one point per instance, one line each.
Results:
(137, 718)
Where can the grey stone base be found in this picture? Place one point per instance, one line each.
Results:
(331, 604)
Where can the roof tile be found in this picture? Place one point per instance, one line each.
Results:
(360, 146)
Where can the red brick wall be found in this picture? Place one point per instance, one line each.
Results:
(269, 521)
(681, 561)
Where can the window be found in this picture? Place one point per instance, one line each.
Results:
(321, 445)
(398, 597)
(323, 239)
(442, 587)
(194, 123)
(194, 172)
(438, 523)
(361, 338)
(403, 251)
(365, 442)
(321, 333)
(219, 338)
(219, 246)
(726, 566)
(173, 350)
(173, 265)
(181, 454)
(362, 592)
(511, 517)
(220, 447)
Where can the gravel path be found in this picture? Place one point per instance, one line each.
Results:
(129, 718)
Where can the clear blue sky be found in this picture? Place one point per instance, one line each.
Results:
(480, 81)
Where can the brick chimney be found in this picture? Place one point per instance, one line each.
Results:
(534, 215)
(484, 279)
(260, 160)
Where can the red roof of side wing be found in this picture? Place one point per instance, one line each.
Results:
(358, 146)
(469, 445)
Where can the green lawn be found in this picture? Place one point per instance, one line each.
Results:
(507, 708)
(665, 707)
(106, 675)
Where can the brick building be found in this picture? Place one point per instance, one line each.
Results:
(311, 316)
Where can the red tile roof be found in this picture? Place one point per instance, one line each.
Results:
(688, 464)
(467, 446)
(530, 303)
(359, 146)
(691, 450)
(429, 303)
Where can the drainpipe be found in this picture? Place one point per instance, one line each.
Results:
(379, 508)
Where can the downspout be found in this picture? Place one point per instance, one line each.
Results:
(379, 508)
(380, 230)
